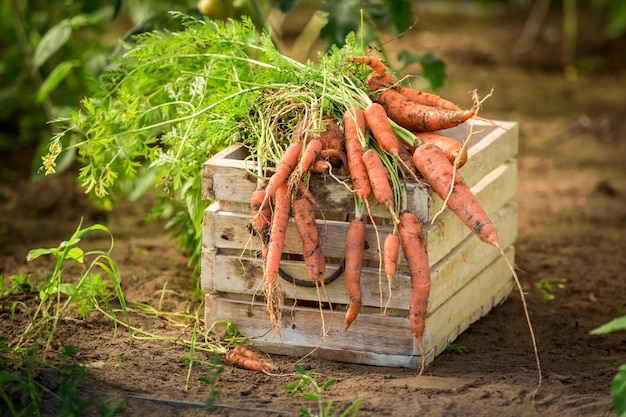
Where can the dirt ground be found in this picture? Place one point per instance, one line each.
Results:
(572, 226)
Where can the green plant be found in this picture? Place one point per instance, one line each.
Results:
(618, 386)
(307, 385)
(57, 295)
(211, 382)
(455, 347)
(548, 286)
(18, 284)
(25, 392)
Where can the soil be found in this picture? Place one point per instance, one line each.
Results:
(572, 227)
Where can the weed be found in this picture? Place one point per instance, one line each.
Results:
(547, 287)
(307, 385)
(455, 347)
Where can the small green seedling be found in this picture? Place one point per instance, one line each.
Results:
(548, 286)
(307, 385)
(455, 347)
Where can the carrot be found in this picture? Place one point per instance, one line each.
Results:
(377, 121)
(332, 137)
(278, 231)
(418, 117)
(311, 153)
(374, 63)
(306, 225)
(284, 167)
(439, 171)
(381, 81)
(451, 147)
(354, 132)
(414, 250)
(391, 246)
(336, 158)
(378, 82)
(261, 212)
(355, 249)
(379, 179)
(242, 357)
(428, 99)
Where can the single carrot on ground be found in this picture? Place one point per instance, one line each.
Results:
(439, 172)
(355, 250)
(242, 357)
(418, 117)
(414, 250)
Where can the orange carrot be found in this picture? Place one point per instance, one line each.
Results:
(418, 117)
(391, 246)
(374, 63)
(379, 179)
(332, 137)
(284, 167)
(311, 153)
(242, 357)
(378, 82)
(306, 225)
(438, 171)
(428, 99)
(261, 212)
(355, 249)
(278, 231)
(377, 121)
(414, 250)
(451, 147)
(354, 132)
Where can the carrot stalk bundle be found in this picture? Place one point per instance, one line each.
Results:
(439, 172)
(414, 250)
(418, 117)
(355, 248)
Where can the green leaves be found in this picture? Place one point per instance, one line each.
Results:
(612, 326)
(433, 68)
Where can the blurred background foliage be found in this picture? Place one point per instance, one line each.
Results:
(54, 50)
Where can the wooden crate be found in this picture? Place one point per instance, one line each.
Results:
(468, 276)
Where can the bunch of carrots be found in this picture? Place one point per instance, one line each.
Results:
(378, 144)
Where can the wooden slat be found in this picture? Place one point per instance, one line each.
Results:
(230, 230)
(225, 177)
(373, 339)
(231, 273)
